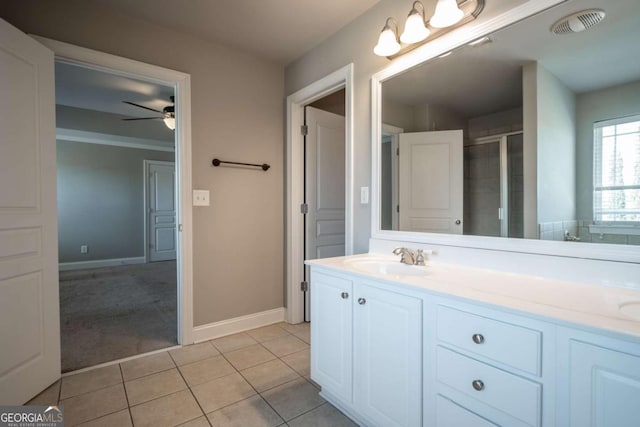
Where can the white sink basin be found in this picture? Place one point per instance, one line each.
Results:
(385, 267)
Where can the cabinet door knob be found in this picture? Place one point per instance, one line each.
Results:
(362, 301)
(478, 385)
(477, 338)
(344, 295)
(458, 222)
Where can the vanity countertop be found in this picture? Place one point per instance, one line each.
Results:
(604, 307)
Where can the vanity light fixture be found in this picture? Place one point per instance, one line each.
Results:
(415, 29)
(388, 41)
(449, 15)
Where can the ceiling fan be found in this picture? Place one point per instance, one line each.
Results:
(168, 113)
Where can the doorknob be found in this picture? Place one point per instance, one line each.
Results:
(362, 301)
(344, 295)
(458, 222)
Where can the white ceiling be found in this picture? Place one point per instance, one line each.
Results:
(278, 30)
(488, 78)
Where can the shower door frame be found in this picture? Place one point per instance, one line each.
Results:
(501, 139)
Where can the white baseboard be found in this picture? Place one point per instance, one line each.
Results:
(99, 263)
(237, 324)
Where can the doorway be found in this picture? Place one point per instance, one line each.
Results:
(295, 248)
(116, 216)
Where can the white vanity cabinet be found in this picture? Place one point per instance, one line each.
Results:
(367, 350)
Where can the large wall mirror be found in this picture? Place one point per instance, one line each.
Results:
(524, 134)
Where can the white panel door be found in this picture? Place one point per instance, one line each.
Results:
(29, 304)
(162, 211)
(431, 182)
(324, 187)
(387, 357)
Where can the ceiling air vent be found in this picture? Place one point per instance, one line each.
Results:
(578, 21)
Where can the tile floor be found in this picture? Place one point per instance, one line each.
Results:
(252, 379)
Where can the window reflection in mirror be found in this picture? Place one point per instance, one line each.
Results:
(529, 134)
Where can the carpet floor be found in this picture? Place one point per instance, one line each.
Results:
(115, 312)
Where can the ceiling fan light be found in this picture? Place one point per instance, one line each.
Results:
(387, 42)
(170, 122)
(447, 14)
(414, 28)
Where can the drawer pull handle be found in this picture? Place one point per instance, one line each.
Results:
(478, 385)
(477, 338)
(344, 295)
(362, 301)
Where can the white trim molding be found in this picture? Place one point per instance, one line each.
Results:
(100, 263)
(181, 83)
(237, 324)
(75, 135)
(342, 78)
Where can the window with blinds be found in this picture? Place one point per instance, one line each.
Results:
(616, 171)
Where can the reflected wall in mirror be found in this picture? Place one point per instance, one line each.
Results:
(525, 134)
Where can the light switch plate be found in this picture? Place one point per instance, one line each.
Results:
(364, 195)
(201, 198)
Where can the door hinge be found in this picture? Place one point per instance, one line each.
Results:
(398, 151)
(304, 130)
(180, 227)
(304, 209)
(304, 286)
(398, 208)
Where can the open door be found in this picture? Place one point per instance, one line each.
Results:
(431, 182)
(324, 188)
(29, 307)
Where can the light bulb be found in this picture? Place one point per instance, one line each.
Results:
(447, 14)
(414, 29)
(387, 42)
(170, 122)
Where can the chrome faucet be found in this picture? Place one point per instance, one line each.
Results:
(410, 257)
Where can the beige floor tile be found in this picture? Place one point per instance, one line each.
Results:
(89, 406)
(198, 422)
(206, 370)
(304, 336)
(287, 344)
(249, 356)
(147, 365)
(268, 375)
(267, 333)
(293, 399)
(48, 396)
(233, 342)
(313, 383)
(94, 379)
(221, 392)
(170, 410)
(299, 361)
(193, 353)
(153, 386)
(119, 419)
(324, 416)
(253, 412)
(297, 328)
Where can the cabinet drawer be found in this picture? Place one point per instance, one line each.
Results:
(516, 396)
(449, 414)
(503, 342)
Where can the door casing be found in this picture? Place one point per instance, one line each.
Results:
(294, 240)
(181, 82)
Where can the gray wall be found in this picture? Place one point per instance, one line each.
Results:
(237, 114)
(354, 43)
(556, 149)
(618, 101)
(101, 200)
